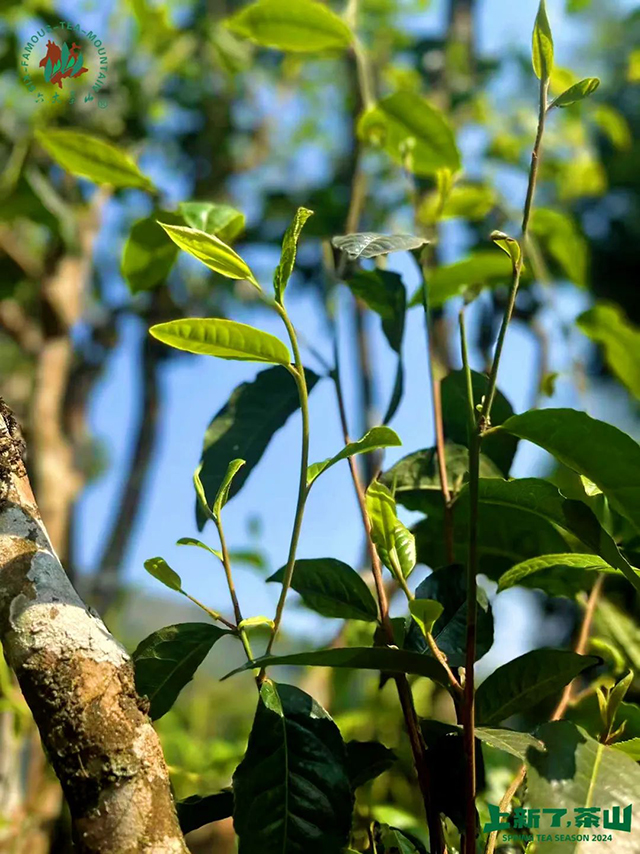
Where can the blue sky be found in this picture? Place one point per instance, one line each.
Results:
(194, 388)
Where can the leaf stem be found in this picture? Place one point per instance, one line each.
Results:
(303, 491)
(226, 563)
(213, 614)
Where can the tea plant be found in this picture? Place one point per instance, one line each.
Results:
(295, 788)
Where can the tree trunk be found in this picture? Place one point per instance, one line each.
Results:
(79, 685)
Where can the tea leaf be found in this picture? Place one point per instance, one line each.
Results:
(414, 133)
(291, 790)
(223, 493)
(368, 244)
(607, 325)
(332, 588)
(509, 741)
(366, 760)
(395, 544)
(246, 424)
(191, 541)
(384, 659)
(577, 92)
(302, 26)
(148, 256)
(542, 47)
(221, 220)
(160, 569)
(577, 440)
(166, 661)
(196, 810)
(211, 251)
(225, 339)
(482, 269)
(90, 157)
(373, 440)
(525, 681)
(425, 612)
(289, 248)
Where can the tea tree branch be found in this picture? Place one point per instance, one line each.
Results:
(226, 563)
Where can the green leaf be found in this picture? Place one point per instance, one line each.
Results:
(160, 569)
(221, 220)
(455, 417)
(331, 588)
(577, 92)
(225, 339)
(509, 741)
(373, 440)
(577, 440)
(196, 810)
(289, 249)
(384, 293)
(541, 498)
(448, 587)
(395, 544)
(166, 661)
(507, 535)
(425, 612)
(148, 257)
(525, 681)
(394, 841)
(245, 424)
(617, 625)
(414, 133)
(384, 659)
(607, 325)
(508, 245)
(256, 622)
(191, 541)
(542, 48)
(90, 157)
(369, 244)
(415, 479)
(212, 251)
(302, 26)
(291, 790)
(563, 242)
(468, 201)
(223, 493)
(631, 747)
(366, 760)
(557, 575)
(481, 269)
(575, 772)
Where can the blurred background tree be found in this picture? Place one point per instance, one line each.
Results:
(114, 422)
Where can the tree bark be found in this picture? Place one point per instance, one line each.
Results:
(79, 684)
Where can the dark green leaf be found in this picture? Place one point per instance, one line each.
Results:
(212, 251)
(221, 220)
(575, 772)
(301, 27)
(368, 244)
(415, 479)
(448, 587)
(93, 158)
(148, 256)
(246, 424)
(455, 417)
(373, 440)
(332, 588)
(578, 441)
(384, 293)
(385, 659)
(167, 660)
(289, 249)
(542, 47)
(525, 681)
(291, 790)
(578, 92)
(224, 339)
(366, 760)
(413, 132)
(197, 810)
(557, 575)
